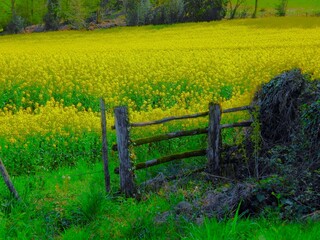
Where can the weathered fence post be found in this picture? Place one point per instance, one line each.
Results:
(105, 145)
(126, 166)
(7, 180)
(214, 139)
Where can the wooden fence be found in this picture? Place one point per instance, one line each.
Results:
(213, 131)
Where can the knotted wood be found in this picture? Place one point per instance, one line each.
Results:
(126, 166)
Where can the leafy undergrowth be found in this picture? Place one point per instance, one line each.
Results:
(262, 228)
(71, 204)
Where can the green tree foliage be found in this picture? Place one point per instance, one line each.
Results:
(139, 12)
(234, 6)
(30, 11)
(16, 23)
(254, 15)
(79, 12)
(205, 10)
(52, 19)
(6, 7)
(15, 14)
(281, 8)
(75, 13)
(169, 11)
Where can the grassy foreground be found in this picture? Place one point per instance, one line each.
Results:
(71, 204)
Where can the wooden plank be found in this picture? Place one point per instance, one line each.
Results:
(105, 145)
(126, 171)
(237, 109)
(7, 181)
(166, 136)
(196, 115)
(166, 159)
(214, 139)
(240, 124)
(167, 119)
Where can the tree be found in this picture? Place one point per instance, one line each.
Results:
(234, 8)
(94, 9)
(281, 8)
(254, 15)
(52, 19)
(79, 12)
(14, 23)
(205, 10)
(5, 12)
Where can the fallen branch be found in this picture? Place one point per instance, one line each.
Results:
(7, 180)
(216, 176)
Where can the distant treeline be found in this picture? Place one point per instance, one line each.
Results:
(15, 15)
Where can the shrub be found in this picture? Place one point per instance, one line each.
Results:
(290, 131)
(138, 12)
(168, 12)
(281, 8)
(51, 19)
(205, 10)
(16, 25)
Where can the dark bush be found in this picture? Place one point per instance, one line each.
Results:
(290, 131)
(52, 19)
(205, 10)
(16, 25)
(140, 12)
(281, 8)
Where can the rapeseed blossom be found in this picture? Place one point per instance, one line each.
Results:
(52, 82)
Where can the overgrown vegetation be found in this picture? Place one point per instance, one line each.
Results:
(281, 8)
(290, 132)
(51, 19)
(39, 15)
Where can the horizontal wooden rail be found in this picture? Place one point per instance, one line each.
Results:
(143, 124)
(196, 115)
(178, 134)
(165, 136)
(240, 124)
(237, 109)
(167, 119)
(170, 158)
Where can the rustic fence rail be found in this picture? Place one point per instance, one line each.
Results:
(213, 131)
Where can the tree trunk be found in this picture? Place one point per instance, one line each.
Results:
(254, 15)
(13, 9)
(32, 11)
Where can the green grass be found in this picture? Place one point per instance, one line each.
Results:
(255, 229)
(306, 4)
(68, 200)
(295, 7)
(302, 4)
(72, 204)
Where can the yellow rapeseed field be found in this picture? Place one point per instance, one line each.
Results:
(51, 82)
